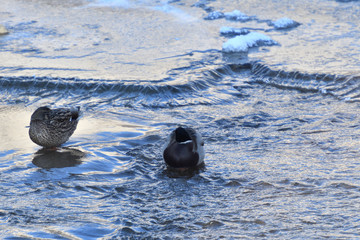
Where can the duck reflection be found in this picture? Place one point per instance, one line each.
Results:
(59, 158)
(184, 172)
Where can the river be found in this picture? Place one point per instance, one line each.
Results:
(277, 110)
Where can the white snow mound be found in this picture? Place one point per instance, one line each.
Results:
(244, 42)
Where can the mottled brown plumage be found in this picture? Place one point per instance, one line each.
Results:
(51, 128)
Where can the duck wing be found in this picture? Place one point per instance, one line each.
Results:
(64, 117)
(194, 137)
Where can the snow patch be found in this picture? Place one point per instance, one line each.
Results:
(244, 42)
(214, 15)
(284, 23)
(230, 31)
(236, 15)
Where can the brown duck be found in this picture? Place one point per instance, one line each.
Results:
(52, 127)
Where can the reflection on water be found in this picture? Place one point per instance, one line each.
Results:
(14, 119)
(184, 172)
(59, 158)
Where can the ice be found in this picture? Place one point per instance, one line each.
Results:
(3, 30)
(230, 31)
(284, 23)
(244, 42)
(214, 15)
(202, 4)
(175, 11)
(110, 3)
(236, 15)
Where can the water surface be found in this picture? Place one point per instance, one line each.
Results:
(280, 122)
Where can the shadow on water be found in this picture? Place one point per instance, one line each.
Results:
(60, 158)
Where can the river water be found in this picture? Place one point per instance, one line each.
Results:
(280, 121)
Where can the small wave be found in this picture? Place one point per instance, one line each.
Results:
(342, 185)
(183, 86)
(340, 86)
(95, 85)
(194, 84)
(162, 93)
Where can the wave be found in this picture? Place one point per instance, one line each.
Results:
(163, 93)
(183, 86)
(340, 86)
(97, 85)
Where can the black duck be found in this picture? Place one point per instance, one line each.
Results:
(185, 148)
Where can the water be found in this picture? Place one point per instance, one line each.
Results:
(280, 122)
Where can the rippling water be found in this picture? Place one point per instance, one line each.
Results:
(280, 122)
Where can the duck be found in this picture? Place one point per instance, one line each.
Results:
(184, 149)
(50, 128)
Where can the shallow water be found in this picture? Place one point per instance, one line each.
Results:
(280, 122)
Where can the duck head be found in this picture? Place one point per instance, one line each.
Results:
(40, 114)
(181, 135)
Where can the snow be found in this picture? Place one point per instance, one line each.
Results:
(244, 42)
(230, 31)
(214, 15)
(284, 23)
(236, 15)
